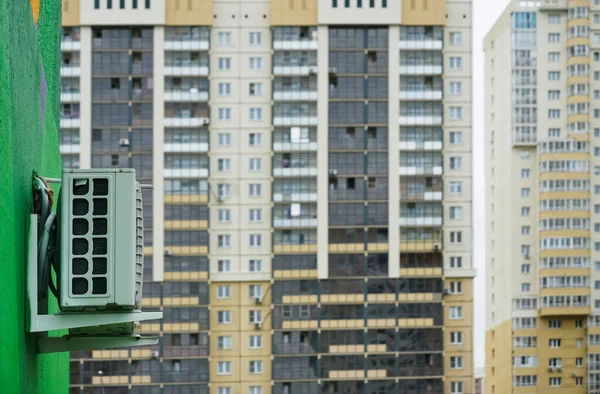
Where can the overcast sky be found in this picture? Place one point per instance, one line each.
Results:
(485, 13)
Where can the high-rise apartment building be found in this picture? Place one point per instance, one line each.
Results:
(542, 184)
(309, 230)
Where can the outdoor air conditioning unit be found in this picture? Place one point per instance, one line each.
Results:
(550, 369)
(154, 353)
(258, 326)
(333, 70)
(206, 122)
(333, 172)
(295, 210)
(447, 292)
(220, 198)
(258, 300)
(101, 240)
(124, 142)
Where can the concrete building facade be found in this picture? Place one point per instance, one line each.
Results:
(542, 166)
(309, 229)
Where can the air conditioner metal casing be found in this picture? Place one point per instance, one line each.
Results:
(101, 240)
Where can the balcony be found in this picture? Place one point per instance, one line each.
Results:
(70, 70)
(291, 120)
(421, 220)
(422, 69)
(187, 43)
(421, 42)
(299, 196)
(186, 95)
(295, 170)
(287, 44)
(189, 147)
(296, 139)
(421, 145)
(295, 95)
(70, 148)
(69, 97)
(553, 5)
(186, 115)
(70, 45)
(420, 120)
(295, 164)
(426, 169)
(297, 222)
(188, 70)
(295, 38)
(421, 94)
(295, 69)
(185, 172)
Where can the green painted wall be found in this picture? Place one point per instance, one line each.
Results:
(28, 143)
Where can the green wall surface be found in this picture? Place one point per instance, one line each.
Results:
(29, 124)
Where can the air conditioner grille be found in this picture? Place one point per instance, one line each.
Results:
(80, 189)
(100, 206)
(100, 246)
(79, 286)
(80, 207)
(80, 227)
(139, 256)
(100, 226)
(99, 285)
(99, 266)
(101, 187)
(80, 266)
(80, 246)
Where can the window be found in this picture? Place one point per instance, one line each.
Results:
(224, 215)
(578, 343)
(525, 287)
(224, 113)
(525, 211)
(456, 362)
(224, 368)
(579, 380)
(255, 291)
(255, 164)
(97, 4)
(553, 56)
(553, 19)
(256, 390)
(256, 341)
(224, 265)
(224, 317)
(455, 88)
(456, 137)
(456, 287)
(255, 316)
(255, 189)
(525, 250)
(224, 38)
(455, 113)
(456, 338)
(134, 4)
(555, 382)
(525, 173)
(525, 230)
(224, 390)
(223, 190)
(147, 4)
(455, 313)
(456, 387)
(255, 38)
(553, 75)
(525, 268)
(553, 94)
(224, 89)
(554, 323)
(256, 63)
(455, 63)
(286, 312)
(256, 367)
(456, 262)
(224, 240)
(255, 89)
(578, 323)
(255, 113)
(554, 343)
(223, 291)
(304, 311)
(554, 113)
(456, 163)
(255, 139)
(553, 37)
(455, 187)
(553, 132)
(255, 215)
(255, 265)
(224, 165)
(525, 191)
(456, 213)
(455, 38)
(224, 139)
(455, 237)
(224, 342)
(224, 63)
(525, 155)
(255, 240)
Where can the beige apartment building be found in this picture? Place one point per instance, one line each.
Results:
(309, 230)
(542, 175)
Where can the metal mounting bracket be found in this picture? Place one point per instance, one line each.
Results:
(37, 322)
